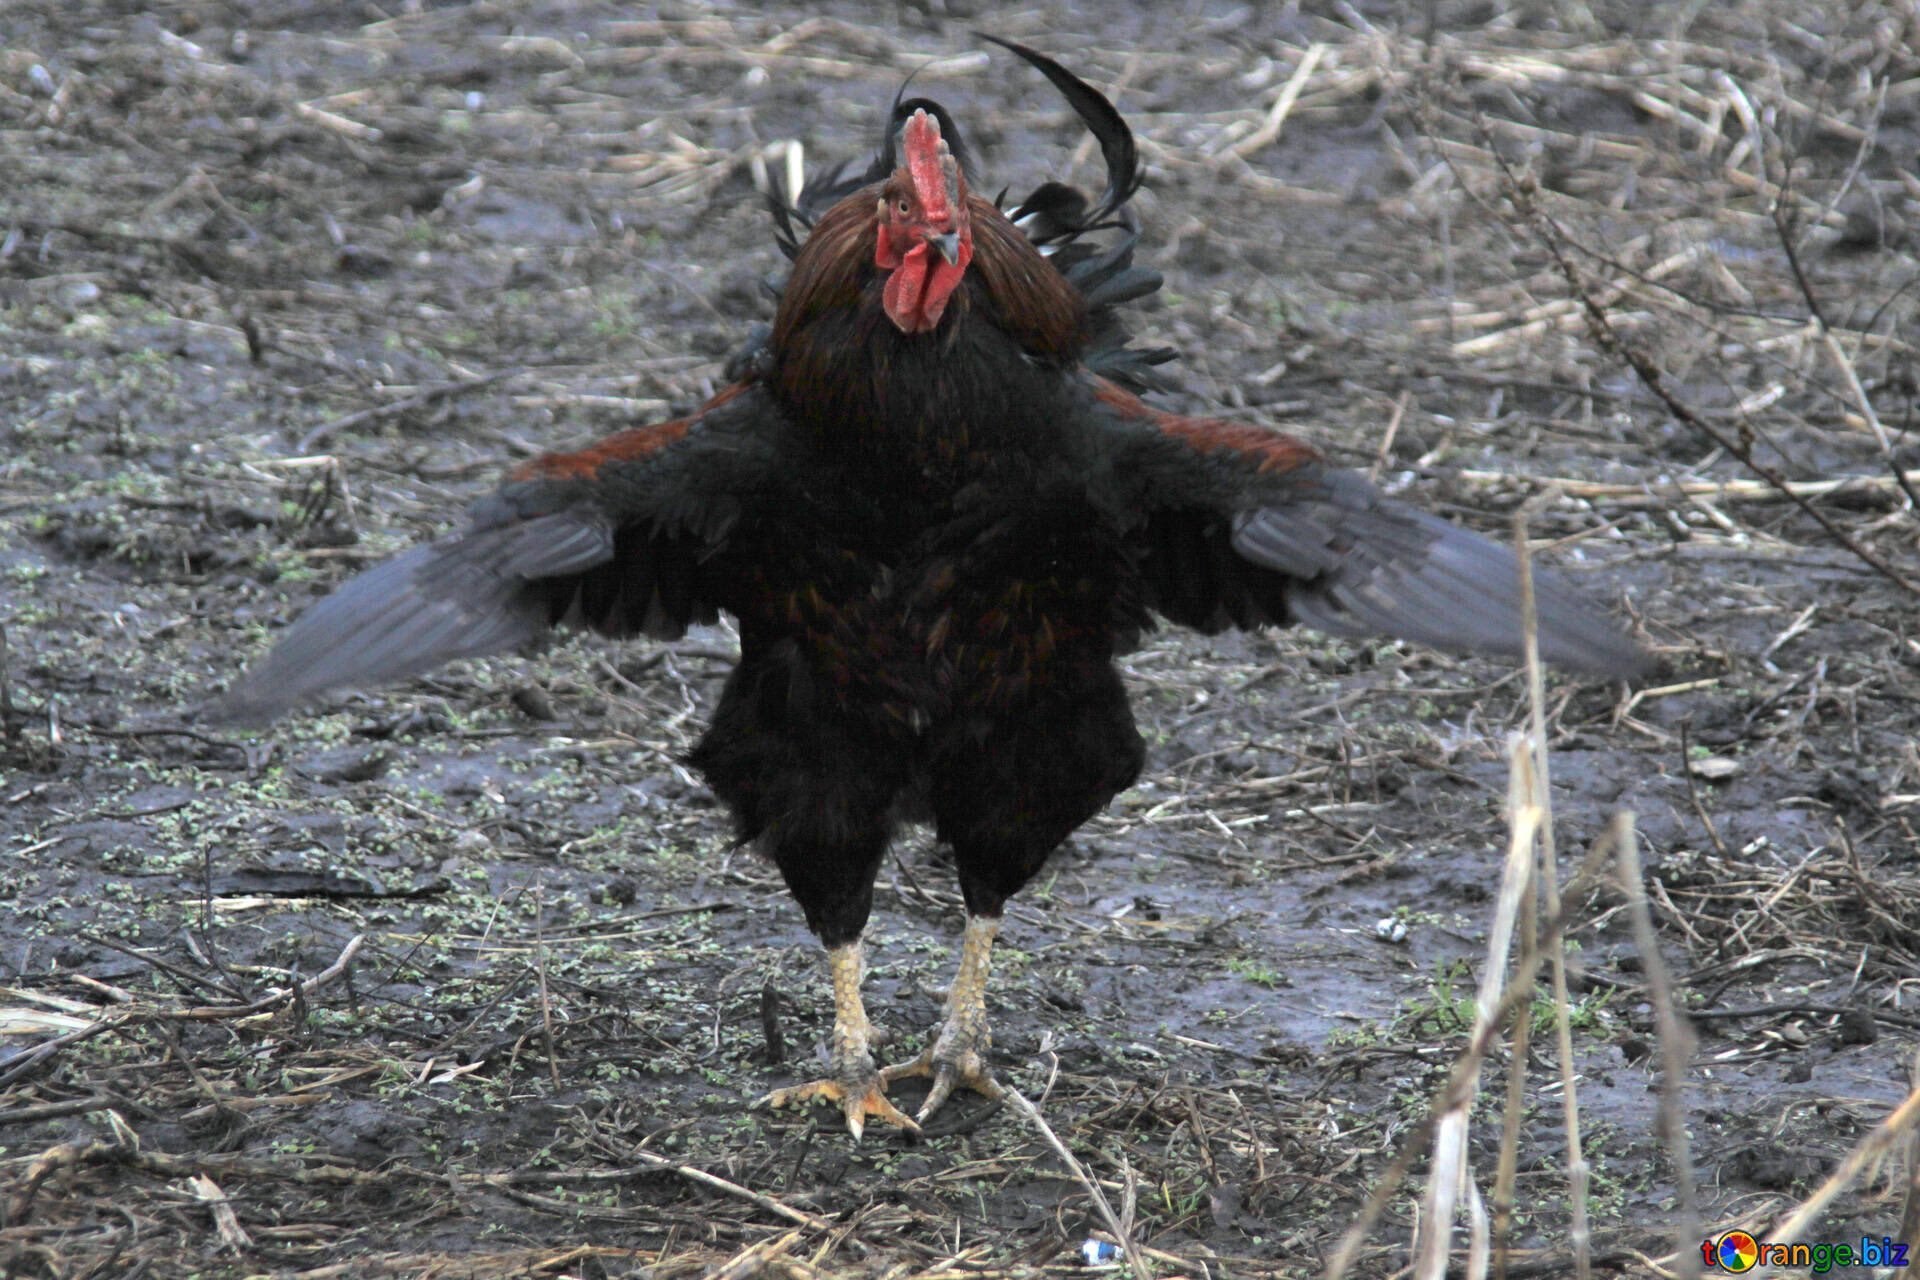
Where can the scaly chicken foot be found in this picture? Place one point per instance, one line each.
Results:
(852, 1082)
(958, 1054)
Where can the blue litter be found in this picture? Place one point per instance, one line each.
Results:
(1097, 1253)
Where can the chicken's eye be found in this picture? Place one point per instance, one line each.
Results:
(903, 207)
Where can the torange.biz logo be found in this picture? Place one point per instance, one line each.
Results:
(1737, 1251)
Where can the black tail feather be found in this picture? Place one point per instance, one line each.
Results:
(1106, 124)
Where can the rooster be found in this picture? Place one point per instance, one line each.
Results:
(937, 508)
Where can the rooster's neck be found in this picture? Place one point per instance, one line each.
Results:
(943, 406)
(974, 393)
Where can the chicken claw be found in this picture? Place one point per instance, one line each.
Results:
(968, 1067)
(851, 1080)
(859, 1104)
(958, 1054)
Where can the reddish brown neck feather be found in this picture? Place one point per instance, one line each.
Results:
(1269, 450)
(621, 446)
(1031, 301)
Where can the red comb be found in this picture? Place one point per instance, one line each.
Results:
(929, 165)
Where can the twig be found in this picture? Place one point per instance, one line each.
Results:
(300, 991)
(1135, 1263)
(1578, 1171)
(1784, 229)
(56, 1110)
(1790, 245)
(1887, 1016)
(700, 1176)
(1870, 1151)
(417, 400)
(546, 996)
(1676, 1047)
(31, 1061)
(189, 982)
(1663, 494)
(1282, 107)
(1554, 238)
(9, 722)
(207, 739)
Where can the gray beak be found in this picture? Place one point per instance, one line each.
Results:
(948, 245)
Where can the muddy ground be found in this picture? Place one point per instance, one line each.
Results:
(283, 286)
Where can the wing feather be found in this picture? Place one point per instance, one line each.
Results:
(613, 537)
(1288, 539)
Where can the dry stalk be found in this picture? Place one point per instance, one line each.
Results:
(337, 123)
(1135, 1262)
(756, 1259)
(220, 1205)
(1577, 1171)
(1529, 819)
(1910, 1211)
(1508, 1171)
(1676, 1048)
(1450, 1172)
(1517, 994)
(1875, 1147)
(1554, 238)
(1394, 419)
(1480, 1234)
(1269, 129)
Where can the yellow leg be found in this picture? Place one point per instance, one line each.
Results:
(851, 1080)
(958, 1054)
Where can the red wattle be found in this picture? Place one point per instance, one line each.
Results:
(918, 290)
(905, 289)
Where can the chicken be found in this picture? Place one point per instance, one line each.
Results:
(937, 510)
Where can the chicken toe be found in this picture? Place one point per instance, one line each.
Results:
(860, 1101)
(958, 1054)
(851, 1081)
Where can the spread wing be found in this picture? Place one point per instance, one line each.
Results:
(621, 536)
(1244, 526)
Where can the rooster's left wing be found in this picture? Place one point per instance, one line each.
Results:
(625, 536)
(1242, 526)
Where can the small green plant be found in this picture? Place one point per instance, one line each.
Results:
(1260, 975)
(1448, 1005)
